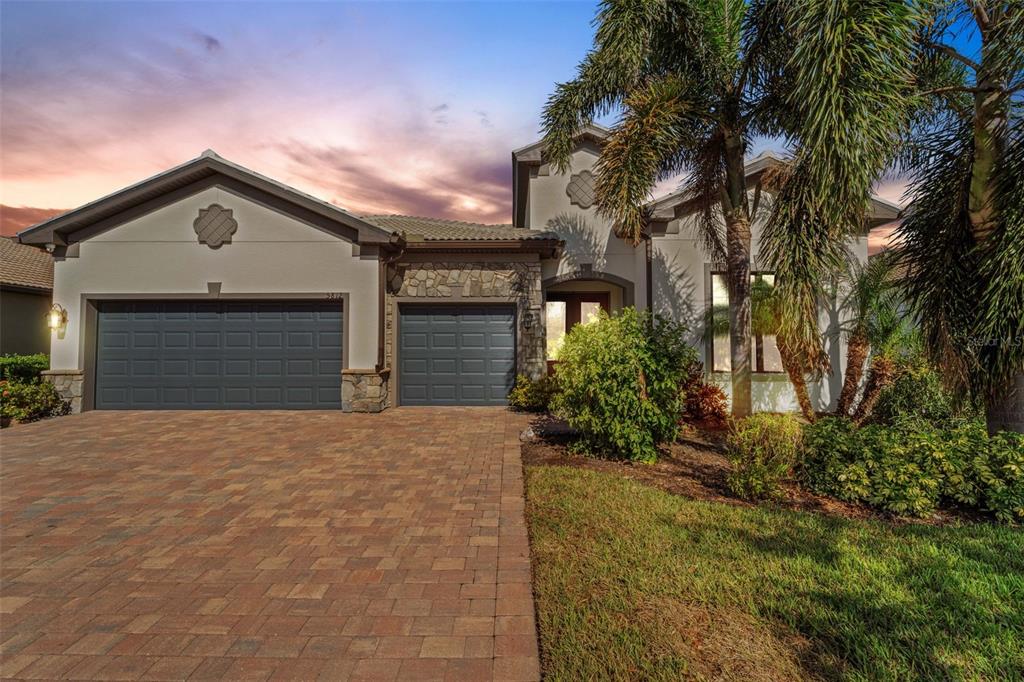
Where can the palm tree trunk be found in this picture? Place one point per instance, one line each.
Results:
(797, 378)
(880, 374)
(737, 244)
(856, 354)
(1004, 411)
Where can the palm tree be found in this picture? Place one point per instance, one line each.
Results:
(886, 333)
(767, 313)
(870, 291)
(696, 81)
(963, 242)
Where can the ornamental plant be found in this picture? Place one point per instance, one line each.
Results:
(27, 402)
(619, 383)
(763, 450)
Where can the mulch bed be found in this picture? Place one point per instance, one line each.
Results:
(695, 466)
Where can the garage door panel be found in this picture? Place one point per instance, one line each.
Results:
(219, 355)
(456, 354)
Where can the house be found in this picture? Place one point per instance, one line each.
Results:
(211, 286)
(26, 280)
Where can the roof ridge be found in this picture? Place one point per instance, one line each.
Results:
(449, 221)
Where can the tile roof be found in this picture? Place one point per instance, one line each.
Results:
(25, 266)
(438, 229)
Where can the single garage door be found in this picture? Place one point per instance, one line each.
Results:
(218, 355)
(456, 354)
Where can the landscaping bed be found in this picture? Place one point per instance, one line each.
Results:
(696, 467)
(633, 582)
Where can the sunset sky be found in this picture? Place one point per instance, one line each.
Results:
(377, 107)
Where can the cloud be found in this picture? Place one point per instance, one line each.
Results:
(208, 42)
(473, 189)
(13, 219)
(485, 120)
(439, 108)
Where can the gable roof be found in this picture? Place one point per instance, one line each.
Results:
(206, 170)
(417, 228)
(25, 266)
(674, 204)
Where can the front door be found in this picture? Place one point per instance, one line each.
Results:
(564, 310)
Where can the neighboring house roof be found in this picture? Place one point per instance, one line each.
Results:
(25, 266)
(417, 228)
(207, 170)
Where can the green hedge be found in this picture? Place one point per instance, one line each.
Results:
(532, 395)
(913, 467)
(25, 368)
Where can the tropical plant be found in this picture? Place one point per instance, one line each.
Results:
(696, 81)
(870, 292)
(619, 383)
(963, 240)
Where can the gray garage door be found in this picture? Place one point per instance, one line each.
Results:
(456, 355)
(218, 355)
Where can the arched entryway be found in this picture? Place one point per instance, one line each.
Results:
(572, 299)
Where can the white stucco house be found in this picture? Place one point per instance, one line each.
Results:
(211, 286)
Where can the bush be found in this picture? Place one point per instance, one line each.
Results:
(916, 393)
(703, 402)
(24, 368)
(27, 402)
(533, 396)
(763, 450)
(1001, 477)
(619, 380)
(913, 467)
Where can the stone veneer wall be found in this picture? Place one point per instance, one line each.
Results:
(364, 390)
(452, 281)
(69, 384)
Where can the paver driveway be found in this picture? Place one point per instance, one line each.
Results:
(290, 545)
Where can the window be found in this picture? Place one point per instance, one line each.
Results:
(564, 310)
(766, 359)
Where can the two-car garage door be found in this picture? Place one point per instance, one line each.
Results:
(219, 354)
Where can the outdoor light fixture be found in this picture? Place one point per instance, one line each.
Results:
(57, 317)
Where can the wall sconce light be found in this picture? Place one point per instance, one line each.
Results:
(529, 319)
(56, 317)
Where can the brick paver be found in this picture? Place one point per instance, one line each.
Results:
(266, 545)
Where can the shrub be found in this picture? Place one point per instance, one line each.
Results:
(533, 396)
(1001, 477)
(703, 402)
(913, 467)
(24, 368)
(916, 393)
(619, 380)
(763, 449)
(27, 402)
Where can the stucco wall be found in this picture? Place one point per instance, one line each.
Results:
(680, 281)
(444, 278)
(270, 253)
(23, 322)
(589, 239)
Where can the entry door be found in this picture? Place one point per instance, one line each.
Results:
(218, 355)
(565, 310)
(456, 354)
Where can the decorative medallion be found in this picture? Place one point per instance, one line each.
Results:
(215, 225)
(581, 189)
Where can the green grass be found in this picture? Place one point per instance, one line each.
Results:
(634, 583)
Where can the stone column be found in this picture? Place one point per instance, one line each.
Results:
(69, 384)
(364, 390)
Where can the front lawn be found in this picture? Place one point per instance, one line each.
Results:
(636, 583)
